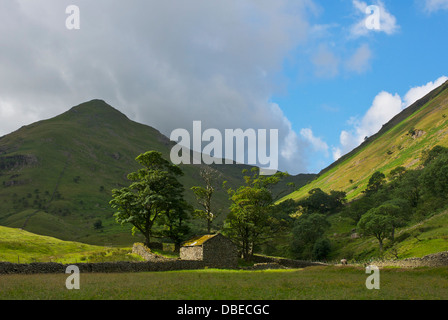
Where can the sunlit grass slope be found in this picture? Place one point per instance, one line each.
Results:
(20, 246)
(399, 143)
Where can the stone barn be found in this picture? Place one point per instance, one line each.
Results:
(215, 250)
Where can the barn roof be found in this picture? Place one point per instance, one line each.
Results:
(198, 241)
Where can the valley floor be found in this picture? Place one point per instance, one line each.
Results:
(314, 283)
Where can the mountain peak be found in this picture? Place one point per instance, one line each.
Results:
(96, 108)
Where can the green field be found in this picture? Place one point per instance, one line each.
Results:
(315, 283)
(20, 246)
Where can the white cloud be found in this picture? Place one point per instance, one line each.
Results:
(418, 92)
(388, 22)
(384, 107)
(435, 5)
(317, 143)
(337, 153)
(360, 61)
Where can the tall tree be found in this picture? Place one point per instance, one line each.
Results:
(397, 210)
(154, 191)
(173, 223)
(249, 220)
(376, 181)
(204, 196)
(376, 223)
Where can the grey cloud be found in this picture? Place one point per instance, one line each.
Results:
(163, 63)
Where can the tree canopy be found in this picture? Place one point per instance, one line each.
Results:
(376, 223)
(249, 221)
(153, 193)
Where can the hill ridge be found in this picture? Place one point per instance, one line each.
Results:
(405, 113)
(392, 146)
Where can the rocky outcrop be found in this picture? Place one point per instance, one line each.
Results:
(17, 162)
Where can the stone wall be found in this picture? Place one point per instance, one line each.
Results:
(191, 253)
(104, 267)
(288, 263)
(433, 260)
(265, 266)
(145, 253)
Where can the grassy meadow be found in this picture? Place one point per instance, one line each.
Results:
(20, 246)
(315, 283)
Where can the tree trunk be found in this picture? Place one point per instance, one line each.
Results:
(246, 255)
(147, 239)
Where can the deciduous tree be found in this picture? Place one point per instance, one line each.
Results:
(376, 223)
(154, 192)
(249, 221)
(204, 196)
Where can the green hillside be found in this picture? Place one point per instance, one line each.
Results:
(415, 206)
(20, 246)
(399, 143)
(56, 175)
(415, 240)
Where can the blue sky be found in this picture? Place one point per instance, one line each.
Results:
(309, 68)
(414, 54)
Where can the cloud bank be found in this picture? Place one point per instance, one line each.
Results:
(163, 63)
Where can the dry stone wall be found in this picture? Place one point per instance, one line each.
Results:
(145, 253)
(104, 267)
(191, 253)
(433, 260)
(288, 263)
